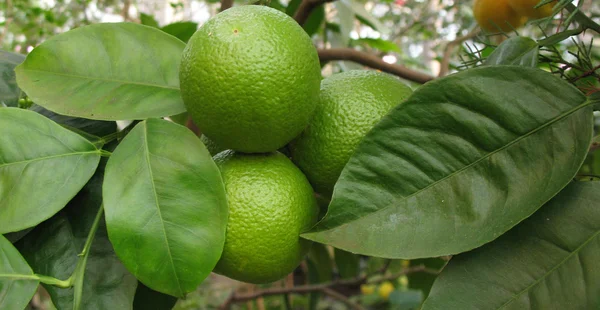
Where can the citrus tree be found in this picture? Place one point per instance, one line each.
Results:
(136, 159)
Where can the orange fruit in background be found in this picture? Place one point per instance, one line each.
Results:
(527, 8)
(497, 16)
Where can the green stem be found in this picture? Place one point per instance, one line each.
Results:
(77, 277)
(553, 39)
(38, 277)
(582, 19)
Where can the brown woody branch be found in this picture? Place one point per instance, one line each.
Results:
(306, 7)
(325, 288)
(225, 4)
(374, 62)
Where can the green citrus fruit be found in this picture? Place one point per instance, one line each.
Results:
(270, 204)
(351, 104)
(250, 78)
(497, 15)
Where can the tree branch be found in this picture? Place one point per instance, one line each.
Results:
(325, 288)
(333, 294)
(445, 64)
(374, 62)
(306, 7)
(225, 4)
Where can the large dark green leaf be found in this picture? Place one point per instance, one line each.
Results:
(9, 91)
(463, 160)
(52, 248)
(165, 207)
(92, 127)
(16, 289)
(181, 30)
(550, 261)
(42, 166)
(519, 51)
(106, 72)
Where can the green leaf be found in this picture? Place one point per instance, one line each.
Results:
(53, 248)
(113, 71)
(148, 20)
(365, 17)
(17, 284)
(42, 166)
(145, 299)
(9, 90)
(315, 19)
(181, 30)
(348, 264)
(346, 19)
(460, 162)
(550, 261)
(165, 206)
(519, 51)
(380, 44)
(95, 128)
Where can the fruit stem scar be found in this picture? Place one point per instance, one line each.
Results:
(235, 31)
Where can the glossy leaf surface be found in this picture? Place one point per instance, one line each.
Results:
(550, 261)
(459, 163)
(42, 166)
(52, 248)
(165, 207)
(519, 51)
(15, 290)
(117, 71)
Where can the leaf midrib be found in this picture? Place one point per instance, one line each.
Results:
(48, 157)
(102, 79)
(576, 251)
(158, 207)
(457, 172)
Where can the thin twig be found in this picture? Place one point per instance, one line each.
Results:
(333, 294)
(374, 62)
(323, 287)
(445, 65)
(306, 7)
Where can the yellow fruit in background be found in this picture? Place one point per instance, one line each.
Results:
(367, 289)
(385, 289)
(526, 8)
(270, 204)
(351, 103)
(250, 78)
(497, 16)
